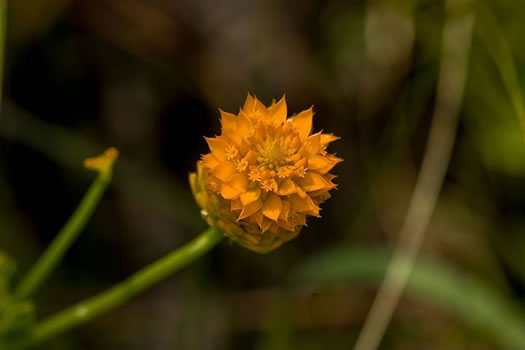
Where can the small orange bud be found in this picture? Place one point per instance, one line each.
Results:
(104, 162)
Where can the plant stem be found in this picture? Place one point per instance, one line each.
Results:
(54, 253)
(3, 25)
(104, 302)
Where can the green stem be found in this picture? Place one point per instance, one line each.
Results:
(54, 253)
(104, 302)
(3, 25)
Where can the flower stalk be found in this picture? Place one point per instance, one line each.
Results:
(121, 293)
(54, 253)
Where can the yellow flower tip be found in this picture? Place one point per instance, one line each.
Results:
(265, 174)
(103, 163)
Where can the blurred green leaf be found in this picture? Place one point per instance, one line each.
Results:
(492, 123)
(7, 269)
(495, 110)
(468, 297)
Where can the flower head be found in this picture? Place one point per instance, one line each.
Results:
(264, 174)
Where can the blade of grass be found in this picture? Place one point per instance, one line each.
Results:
(457, 33)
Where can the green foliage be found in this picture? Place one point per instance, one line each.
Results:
(466, 296)
(16, 317)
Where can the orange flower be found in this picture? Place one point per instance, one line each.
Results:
(264, 175)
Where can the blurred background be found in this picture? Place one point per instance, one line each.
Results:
(148, 77)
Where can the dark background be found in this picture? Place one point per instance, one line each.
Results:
(148, 77)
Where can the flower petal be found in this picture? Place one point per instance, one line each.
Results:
(217, 147)
(239, 182)
(259, 107)
(235, 205)
(286, 188)
(327, 138)
(300, 192)
(304, 205)
(288, 226)
(258, 218)
(244, 147)
(319, 193)
(317, 162)
(224, 170)
(250, 196)
(254, 108)
(286, 210)
(313, 182)
(244, 124)
(250, 209)
(313, 143)
(228, 192)
(250, 157)
(299, 220)
(323, 164)
(278, 111)
(249, 104)
(229, 127)
(301, 163)
(302, 122)
(209, 161)
(272, 207)
(266, 224)
(228, 121)
(334, 161)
